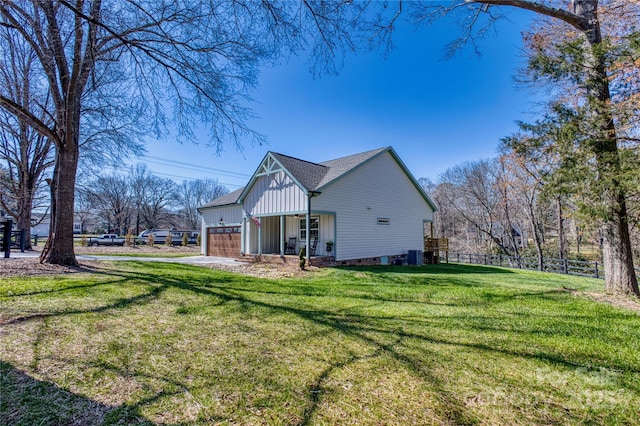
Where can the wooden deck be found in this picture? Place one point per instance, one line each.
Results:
(435, 248)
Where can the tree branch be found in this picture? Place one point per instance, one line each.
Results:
(536, 6)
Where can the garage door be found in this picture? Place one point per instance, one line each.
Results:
(224, 241)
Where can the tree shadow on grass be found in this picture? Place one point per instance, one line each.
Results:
(28, 401)
(383, 336)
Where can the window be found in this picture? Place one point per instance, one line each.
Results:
(225, 230)
(314, 228)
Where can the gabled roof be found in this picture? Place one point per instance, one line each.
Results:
(228, 199)
(313, 177)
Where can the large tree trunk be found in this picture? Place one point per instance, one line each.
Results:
(617, 257)
(25, 203)
(61, 249)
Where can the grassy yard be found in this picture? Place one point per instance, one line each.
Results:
(439, 344)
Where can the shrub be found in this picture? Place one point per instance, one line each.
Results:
(185, 239)
(83, 241)
(168, 240)
(128, 240)
(198, 240)
(302, 256)
(150, 238)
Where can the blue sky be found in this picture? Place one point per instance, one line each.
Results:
(435, 113)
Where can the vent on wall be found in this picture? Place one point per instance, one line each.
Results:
(384, 221)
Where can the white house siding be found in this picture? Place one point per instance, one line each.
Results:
(377, 189)
(274, 194)
(327, 231)
(231, 215)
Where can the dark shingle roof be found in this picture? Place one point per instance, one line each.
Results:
(341, 166)
(230, 198)
(314, 176)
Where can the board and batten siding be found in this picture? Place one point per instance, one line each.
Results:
(231, 215)
(274, 194)
(377, 189)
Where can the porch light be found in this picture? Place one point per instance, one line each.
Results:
(221, 221)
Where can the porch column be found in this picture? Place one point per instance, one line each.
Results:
(281, 235)
(204, 240)
(243, 236)
(308, 229)
(310, 195)
(260, 239)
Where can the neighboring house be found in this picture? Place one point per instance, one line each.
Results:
(366, 206)
(41, 225)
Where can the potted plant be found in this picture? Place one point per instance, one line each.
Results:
(329, 246)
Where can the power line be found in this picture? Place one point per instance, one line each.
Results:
(195, 167)
(160, 174)
(191, 178)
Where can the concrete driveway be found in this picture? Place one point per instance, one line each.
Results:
(192, 260)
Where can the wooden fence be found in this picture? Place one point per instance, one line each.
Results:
(560, 266)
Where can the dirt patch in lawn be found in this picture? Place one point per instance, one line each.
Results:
(31, 266)
(627, 302)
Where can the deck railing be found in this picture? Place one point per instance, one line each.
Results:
(436, 244)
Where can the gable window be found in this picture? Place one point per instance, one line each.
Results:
(314, 228)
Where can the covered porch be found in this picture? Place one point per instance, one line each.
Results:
(287, 234)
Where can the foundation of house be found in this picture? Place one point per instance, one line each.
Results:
(320, 261)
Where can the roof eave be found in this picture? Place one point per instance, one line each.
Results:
(413, 180)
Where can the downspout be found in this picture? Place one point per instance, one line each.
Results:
(204, 234)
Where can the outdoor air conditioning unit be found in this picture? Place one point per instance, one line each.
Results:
(414, 257)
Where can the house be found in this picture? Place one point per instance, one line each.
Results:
(40, 224)
(363, 207)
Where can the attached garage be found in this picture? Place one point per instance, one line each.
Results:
(223, 241)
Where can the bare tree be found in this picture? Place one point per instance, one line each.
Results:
(109, 196)
(194, 59)
(26, 153)
(158, 199)
(526, 183)
(193, 194)
(472, 190)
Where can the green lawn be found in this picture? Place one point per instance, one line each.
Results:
(438, 344)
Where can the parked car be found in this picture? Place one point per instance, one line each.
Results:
(106, 240)
(160, 236)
